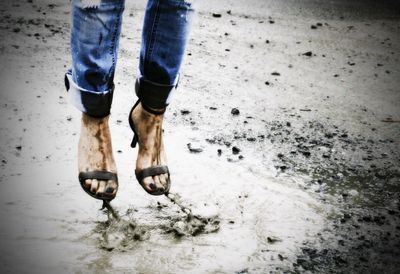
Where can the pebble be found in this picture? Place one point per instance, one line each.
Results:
(235, 111)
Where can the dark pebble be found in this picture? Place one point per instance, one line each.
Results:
(194, 150)
(271, 240)
(235, 150)
(305, 153)
(308, 53)
(185, 111)
(216, 15)
(235, 111)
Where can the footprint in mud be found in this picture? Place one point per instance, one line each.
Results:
(122, 233)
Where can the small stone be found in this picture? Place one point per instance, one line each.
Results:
(194, 150)
(308, 53)
(305, 153)
(216, 15)
(272, 240)
(235, 150)
(235, 111)
(185, 111)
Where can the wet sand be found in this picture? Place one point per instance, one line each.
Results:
(282, 141)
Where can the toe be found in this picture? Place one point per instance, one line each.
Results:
(163, 180)
(94, 186)
(158, 182)
(111, 186)
(88, 183)
(101, 189)
(149, 184)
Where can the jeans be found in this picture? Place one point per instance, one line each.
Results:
(95, 31)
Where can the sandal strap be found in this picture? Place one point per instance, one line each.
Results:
(97, 174)
(151, 171)
(153, 111)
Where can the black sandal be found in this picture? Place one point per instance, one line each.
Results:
(99, 175)
(150, 171)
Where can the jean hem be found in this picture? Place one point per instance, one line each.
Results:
(95, 104)
(154, 95)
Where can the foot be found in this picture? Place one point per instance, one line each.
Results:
(95, 153)
(151, 148)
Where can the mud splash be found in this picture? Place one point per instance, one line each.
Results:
(122, 232)
(191, 224)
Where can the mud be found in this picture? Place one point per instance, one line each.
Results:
(282, 143)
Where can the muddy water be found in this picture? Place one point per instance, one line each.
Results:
(236, 219)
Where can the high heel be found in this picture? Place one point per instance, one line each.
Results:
(135, 138)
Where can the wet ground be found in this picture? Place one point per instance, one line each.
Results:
(283, 143)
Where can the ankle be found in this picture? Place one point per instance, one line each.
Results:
(152, 110)
(86, 119)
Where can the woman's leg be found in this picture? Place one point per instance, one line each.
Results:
(95, 31)
(165, 34)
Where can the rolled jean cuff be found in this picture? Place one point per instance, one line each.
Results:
(95, 104)
(153, 94)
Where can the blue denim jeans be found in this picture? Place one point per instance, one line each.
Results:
(95, 31)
